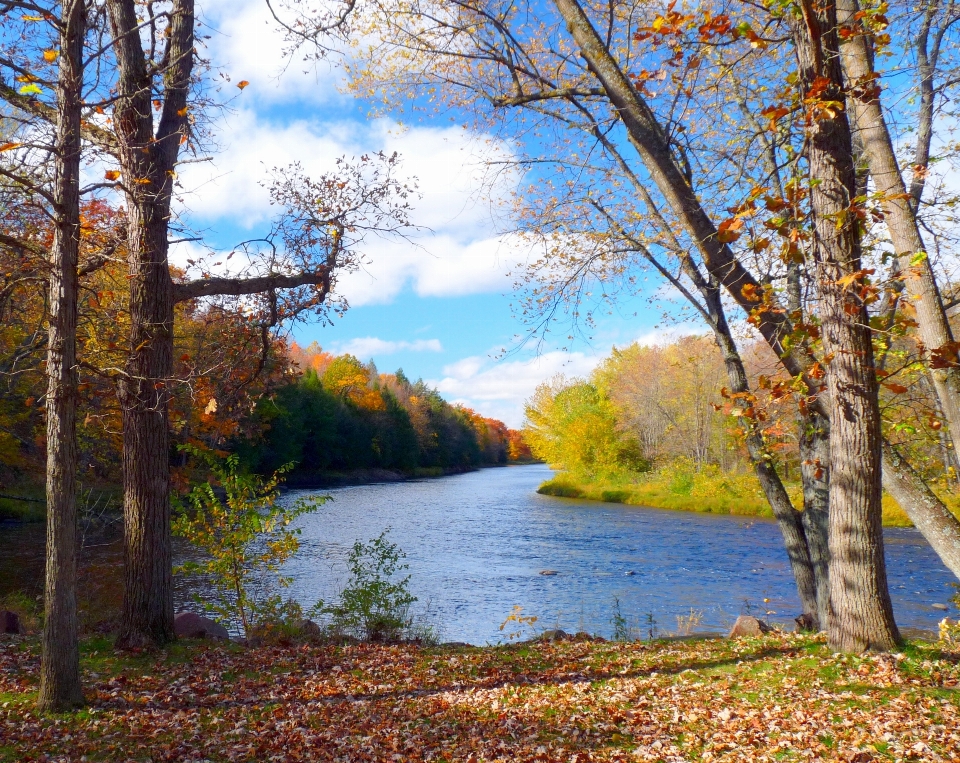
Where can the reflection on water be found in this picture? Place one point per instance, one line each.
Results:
(477, 542)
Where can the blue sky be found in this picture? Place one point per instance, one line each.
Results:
(438, 306)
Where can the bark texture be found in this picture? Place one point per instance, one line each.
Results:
(862, 615)
(60, 661)
(147, 161)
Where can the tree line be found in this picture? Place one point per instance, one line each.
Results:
(651, 410)
(341, 414)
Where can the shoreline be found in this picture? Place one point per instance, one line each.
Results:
(656, 496)
(355, 477)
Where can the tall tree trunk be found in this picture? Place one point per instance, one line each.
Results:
(60, 661)
(810, 588)
(900, 214)
(862, 615)
(147, 162)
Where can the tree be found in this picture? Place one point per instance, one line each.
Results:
(60, 662)
(323, 221)
(900, 206)
(506, 52)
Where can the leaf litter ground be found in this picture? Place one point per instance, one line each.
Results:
(777, 698)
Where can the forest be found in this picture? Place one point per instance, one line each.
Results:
(778, 177)
(653, 426)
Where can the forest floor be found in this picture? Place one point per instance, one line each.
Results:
(783, 697)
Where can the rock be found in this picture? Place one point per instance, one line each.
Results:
(310, 630)
(554, 634)
(549, 572)
(10, 622)
(748, 626)
(629, 573)
(941, 607)
(192, 625)
(805, 623)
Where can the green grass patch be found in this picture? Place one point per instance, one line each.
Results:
(737, 494)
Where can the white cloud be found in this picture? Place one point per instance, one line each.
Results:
(293, 111)
(499, 389)
(246, 43)
(669, 334)
(452, 253)
(370, 346)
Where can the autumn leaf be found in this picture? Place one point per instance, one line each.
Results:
(242, 84)
(9, 146)
(897, 389)
(111, 175)
(211, 407)
(728, 230)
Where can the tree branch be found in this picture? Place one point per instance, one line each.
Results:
(236, 287)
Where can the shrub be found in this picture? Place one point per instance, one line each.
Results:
(246, 537)
(375, 604)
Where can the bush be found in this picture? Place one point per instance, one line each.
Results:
(375, 605)
(246, 536)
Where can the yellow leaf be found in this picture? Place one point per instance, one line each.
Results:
(50, 56)
(211, 406)
(9, 146)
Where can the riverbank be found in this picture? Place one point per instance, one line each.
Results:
(29, 505)
(740, 496)
(780, 697)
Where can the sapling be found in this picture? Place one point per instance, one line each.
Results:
(245, 533)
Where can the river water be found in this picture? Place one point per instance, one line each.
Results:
(476, 544)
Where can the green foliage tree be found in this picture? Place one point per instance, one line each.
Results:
(573, 425)
(246, 536)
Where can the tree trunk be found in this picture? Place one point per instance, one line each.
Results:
(646, 137)
(60, 661)
(147, 166)
(899, 213)
(789, 520)
(926, 509)
(932, 518)
(862, 615)
(815, 478)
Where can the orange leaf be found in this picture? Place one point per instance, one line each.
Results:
(242, 84)
(111, 174)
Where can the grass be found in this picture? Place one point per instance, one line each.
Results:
(31, 510)
(780, 697)
(737, 494)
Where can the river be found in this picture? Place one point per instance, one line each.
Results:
(476, 544)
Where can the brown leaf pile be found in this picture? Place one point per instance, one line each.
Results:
(777, 698)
